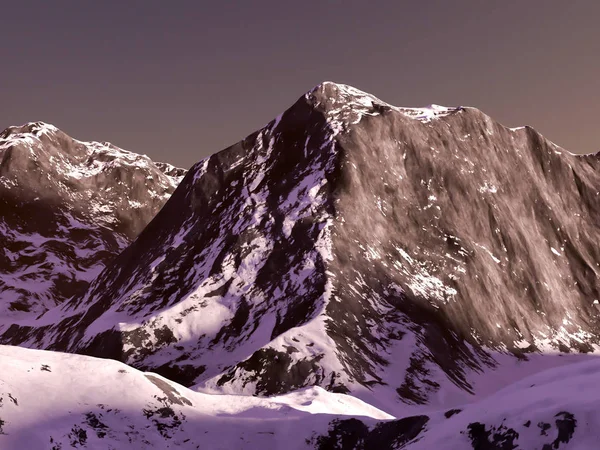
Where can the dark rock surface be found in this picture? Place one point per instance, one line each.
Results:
(352, 434)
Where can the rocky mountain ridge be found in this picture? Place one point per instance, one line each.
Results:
(68, 207)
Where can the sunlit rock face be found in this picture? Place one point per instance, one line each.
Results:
(391, 253)
(67, 208)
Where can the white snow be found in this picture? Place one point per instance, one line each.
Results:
(421, 281)
(120, 407)
(534, 399)
(79, 392)
(428, 113)
(496, 260)
(492, 189)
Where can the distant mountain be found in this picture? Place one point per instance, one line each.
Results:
(67, 208)
(417, 259)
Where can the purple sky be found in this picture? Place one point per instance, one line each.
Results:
(181, 80)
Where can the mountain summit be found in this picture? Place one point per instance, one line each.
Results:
(395, 254)
(66, 208)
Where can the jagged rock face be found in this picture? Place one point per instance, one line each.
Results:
(351, 244)
(66, 209)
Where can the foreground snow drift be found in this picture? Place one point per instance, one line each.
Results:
(56, 400)
(52, 400)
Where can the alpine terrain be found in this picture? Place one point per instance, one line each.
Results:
(66, 209)
(354, 275)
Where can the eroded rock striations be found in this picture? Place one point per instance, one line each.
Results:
(67, 208)
(357, 246)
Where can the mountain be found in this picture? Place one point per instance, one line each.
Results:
(67, 208)
(417, 259)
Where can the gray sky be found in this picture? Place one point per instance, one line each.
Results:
(181, 80)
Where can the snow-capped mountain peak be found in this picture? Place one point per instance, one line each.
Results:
(67, 208)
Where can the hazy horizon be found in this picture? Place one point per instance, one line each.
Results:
(180, 83)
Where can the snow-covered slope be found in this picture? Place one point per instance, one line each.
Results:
(50, 400)
(67, 208)
(396, 254)
(553, 409)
